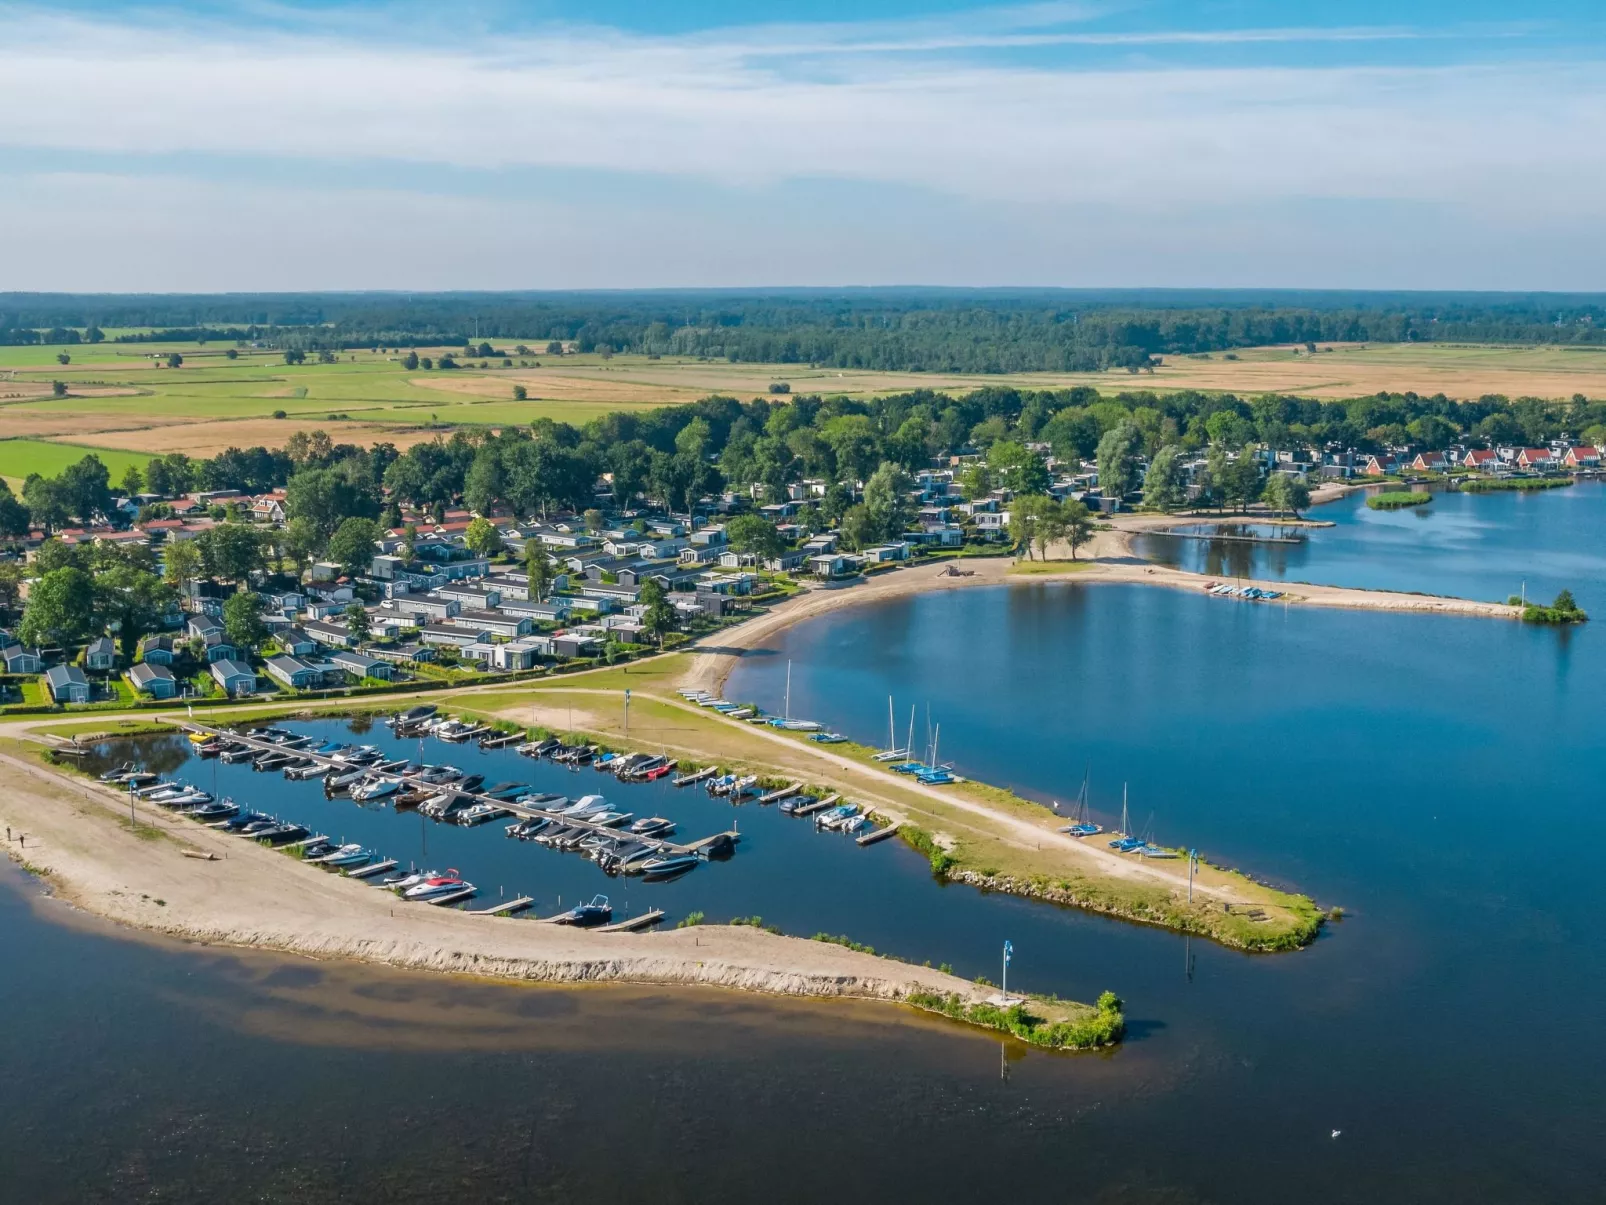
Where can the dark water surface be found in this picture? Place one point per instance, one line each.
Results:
(1436, 776)
(1483, 546)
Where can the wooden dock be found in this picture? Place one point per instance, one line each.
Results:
(686, 780)
(373, 868)
(303, 844)
(497, 740)
(1229, 537)
(506, 908)
(819, 805)
(631, 924)
(777, 796)
(464, 894)
(524, 812)
(881, 834)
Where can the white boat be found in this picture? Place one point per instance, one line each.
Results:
(585, 806)
(479, 813)
(436, 886)
(375, 788)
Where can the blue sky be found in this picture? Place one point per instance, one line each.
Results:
(210, 146)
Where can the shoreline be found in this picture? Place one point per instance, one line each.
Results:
(78, 841)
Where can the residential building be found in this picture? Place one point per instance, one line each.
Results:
(19, 660)
(157, 681)
(471, 596)
(234, 677)
(296, 643)
(329, 634)
(101, 654)
(830, 564)
(434, 633)
(157, 650)
(219, 648)
(363, 666)
(497, 623)
(403, 654)
(298, 674)
(1581, 458)
(67, 684)
(1536, 459)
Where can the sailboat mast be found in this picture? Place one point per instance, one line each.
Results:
(788, 707)
(892, 727)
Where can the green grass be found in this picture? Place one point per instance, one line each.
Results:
(19, 457)
(1398, 499)
(1486, 485)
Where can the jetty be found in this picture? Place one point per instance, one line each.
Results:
(819, 805)
(686, 780)
(1231, 537)
(631, 924)
(880, 834)
(777, 796)
(718, 842)
(373, 868)
(462, 894)
(506, 908)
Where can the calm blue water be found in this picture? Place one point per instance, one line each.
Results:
(1483, 546)
(1436, 776)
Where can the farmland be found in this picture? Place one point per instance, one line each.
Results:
(125, 397)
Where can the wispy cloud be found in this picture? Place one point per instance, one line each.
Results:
(921, 106)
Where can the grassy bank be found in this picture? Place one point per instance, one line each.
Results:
(1039, 1021)
(1398, 500)
(1488, 485)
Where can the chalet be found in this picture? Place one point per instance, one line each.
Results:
(993, 524)
(234, 677)
(509, 586)
(471, 596)
(507, 655)
(737, 560)
(570, 645)
(830, 564)
(101, 654)
(219, 648)
(157, 681)
(1378, 466)
(434, 633)
(883, 554)
(429, 610)
(268, 508)
(19, 660)
(403, 654)
(300, 674)
(1429, 462)
(330, 635)
(326, 571)
(297, 643)
(1481, 460)
(539, 612)
(157, 650)
(1581, 458)
(203, 626)
(787, 561)
(363, 666)
(67, 684)
(726, 583)
(1536, 459)
(496, 623)
(821, 544)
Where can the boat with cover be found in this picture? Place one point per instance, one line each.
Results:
(598, 911)
(525, 830)
(279, 834)
(793, 803)
(665, 866)
(479, 813)
(375, 788)
(217, 810)
(652, 826)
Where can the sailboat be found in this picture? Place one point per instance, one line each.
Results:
(892, 752)
(1148, 849)
(1125, 842)
(1080, 825)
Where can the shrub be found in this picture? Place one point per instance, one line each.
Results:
(1398, 500)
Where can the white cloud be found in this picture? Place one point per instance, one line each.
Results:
(1149, 155)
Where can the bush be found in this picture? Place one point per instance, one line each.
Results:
(690, 920)
(941, 860)
(1104, 1027)
(1398, 500)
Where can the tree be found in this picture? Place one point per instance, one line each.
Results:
(1162, 485)
(483, 537)
(554, 348)
(520, 393)
(329, 496)
(58, 388)
(230, 551)
(409, 544)
(1117, 457)
(859, 528)
(1073, 433)
(181, 561)
(242, 620)
(85, 488)
(1240, 480)
(294, 355)
(1078, 525)
(302, 541)
(61, 607)
(754, 534)
(975, 481)
(63, 358)
(886, 500)
(174, 360)
(660, 617)
(353, 544)
(1017, 468)
(133, 481)
(46, 502)
(593, 519)
(130, 601)
(357, 622)
(411, 362)
(1026, 514)
(14, 517)
(538, 565)
(53, 554)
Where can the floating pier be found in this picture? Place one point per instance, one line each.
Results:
(506, 908)
(305, 842)
(819, 805)
(631, 924)
(686, 780)
(373, 868)
(776, 796)
(497, 740)
(442, 901)
(881, 834)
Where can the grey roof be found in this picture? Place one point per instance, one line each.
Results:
(103, 644)
(143, 674)
(63, 675)
(229, 668)
(354, 660)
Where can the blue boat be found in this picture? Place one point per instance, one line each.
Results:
(1081, 826)
(1126, 845)
(935, 778)
(596, 912)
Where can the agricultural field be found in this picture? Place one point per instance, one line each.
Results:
(123, 397)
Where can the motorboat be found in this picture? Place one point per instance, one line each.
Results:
(347, 855)
(413, 716)
(558, 832)
(854, 823)
(279, 834)
(585, 806)
(375, 788)
(217, 810)
(833, 818)
(437, 887)
(304, 773)
(609, 819)
(613, 860)
(667, 865)
(598, 911)
(243, 820)
(525, 830)
(403, 880)
(479, 813)
(507, 792)
(652, 826)
(795, 803)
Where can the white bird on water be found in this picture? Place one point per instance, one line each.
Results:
(1336, 1133)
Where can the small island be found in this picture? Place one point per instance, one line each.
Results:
(1398, 499)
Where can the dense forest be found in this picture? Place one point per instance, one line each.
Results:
(929, 330)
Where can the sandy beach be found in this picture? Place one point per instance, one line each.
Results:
(75, 833)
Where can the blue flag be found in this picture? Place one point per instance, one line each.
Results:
(1008, 950)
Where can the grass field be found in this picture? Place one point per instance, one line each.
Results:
(121, 396)
(19, 457)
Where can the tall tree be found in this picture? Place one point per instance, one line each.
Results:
(538, 565)
(61, 607)
(482, 536)
(358, 624)
(242, 620)
(659, 618)
(754, 534)
(1117, 457)
(1163, 487)
(887, 501)
(354, 544)
(181, 561)
(130, 602)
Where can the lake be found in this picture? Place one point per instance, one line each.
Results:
(1482, 546)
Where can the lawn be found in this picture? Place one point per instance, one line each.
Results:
(19, 457)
